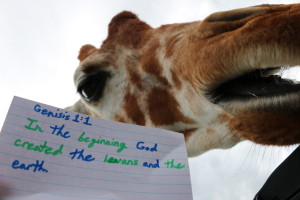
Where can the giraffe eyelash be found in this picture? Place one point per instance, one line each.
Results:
(92, 87)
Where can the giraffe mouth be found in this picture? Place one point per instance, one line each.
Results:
(261, 84)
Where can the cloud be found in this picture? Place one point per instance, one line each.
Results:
(237, 173)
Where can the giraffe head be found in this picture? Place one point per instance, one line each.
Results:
(214, 80)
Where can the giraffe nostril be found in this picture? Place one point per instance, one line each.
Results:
(92, 87)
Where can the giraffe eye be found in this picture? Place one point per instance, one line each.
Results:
(92, 88)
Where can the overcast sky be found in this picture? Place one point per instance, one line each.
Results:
(39, 42)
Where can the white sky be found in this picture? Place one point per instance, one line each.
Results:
(39, 42)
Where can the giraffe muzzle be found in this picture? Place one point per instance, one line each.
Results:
(257, 46)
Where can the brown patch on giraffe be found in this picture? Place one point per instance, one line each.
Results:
(176, 80)
(164, 109)
(163, 81)
(135, 78)
(85, 51)
(151, 65)
(133, 110)
(267, 128)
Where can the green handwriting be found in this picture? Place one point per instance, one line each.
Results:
(171, 164)
(31, 127)
(120, 161)
(92, 141)
(42, 148)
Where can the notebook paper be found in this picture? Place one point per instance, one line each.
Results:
(50, 153)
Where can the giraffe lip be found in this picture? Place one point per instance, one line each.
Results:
(261, 83)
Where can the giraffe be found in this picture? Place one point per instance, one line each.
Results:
(216, 81)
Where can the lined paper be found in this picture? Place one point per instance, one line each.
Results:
(50, 153)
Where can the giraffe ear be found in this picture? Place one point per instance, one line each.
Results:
(85, 51)
(127, 29)
(121, 19)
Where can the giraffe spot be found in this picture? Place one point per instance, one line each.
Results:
(164, 109)
(133, 110)
(151, 65)
(135, 79)
(176, 80)
(149, 62)
(133, 75)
